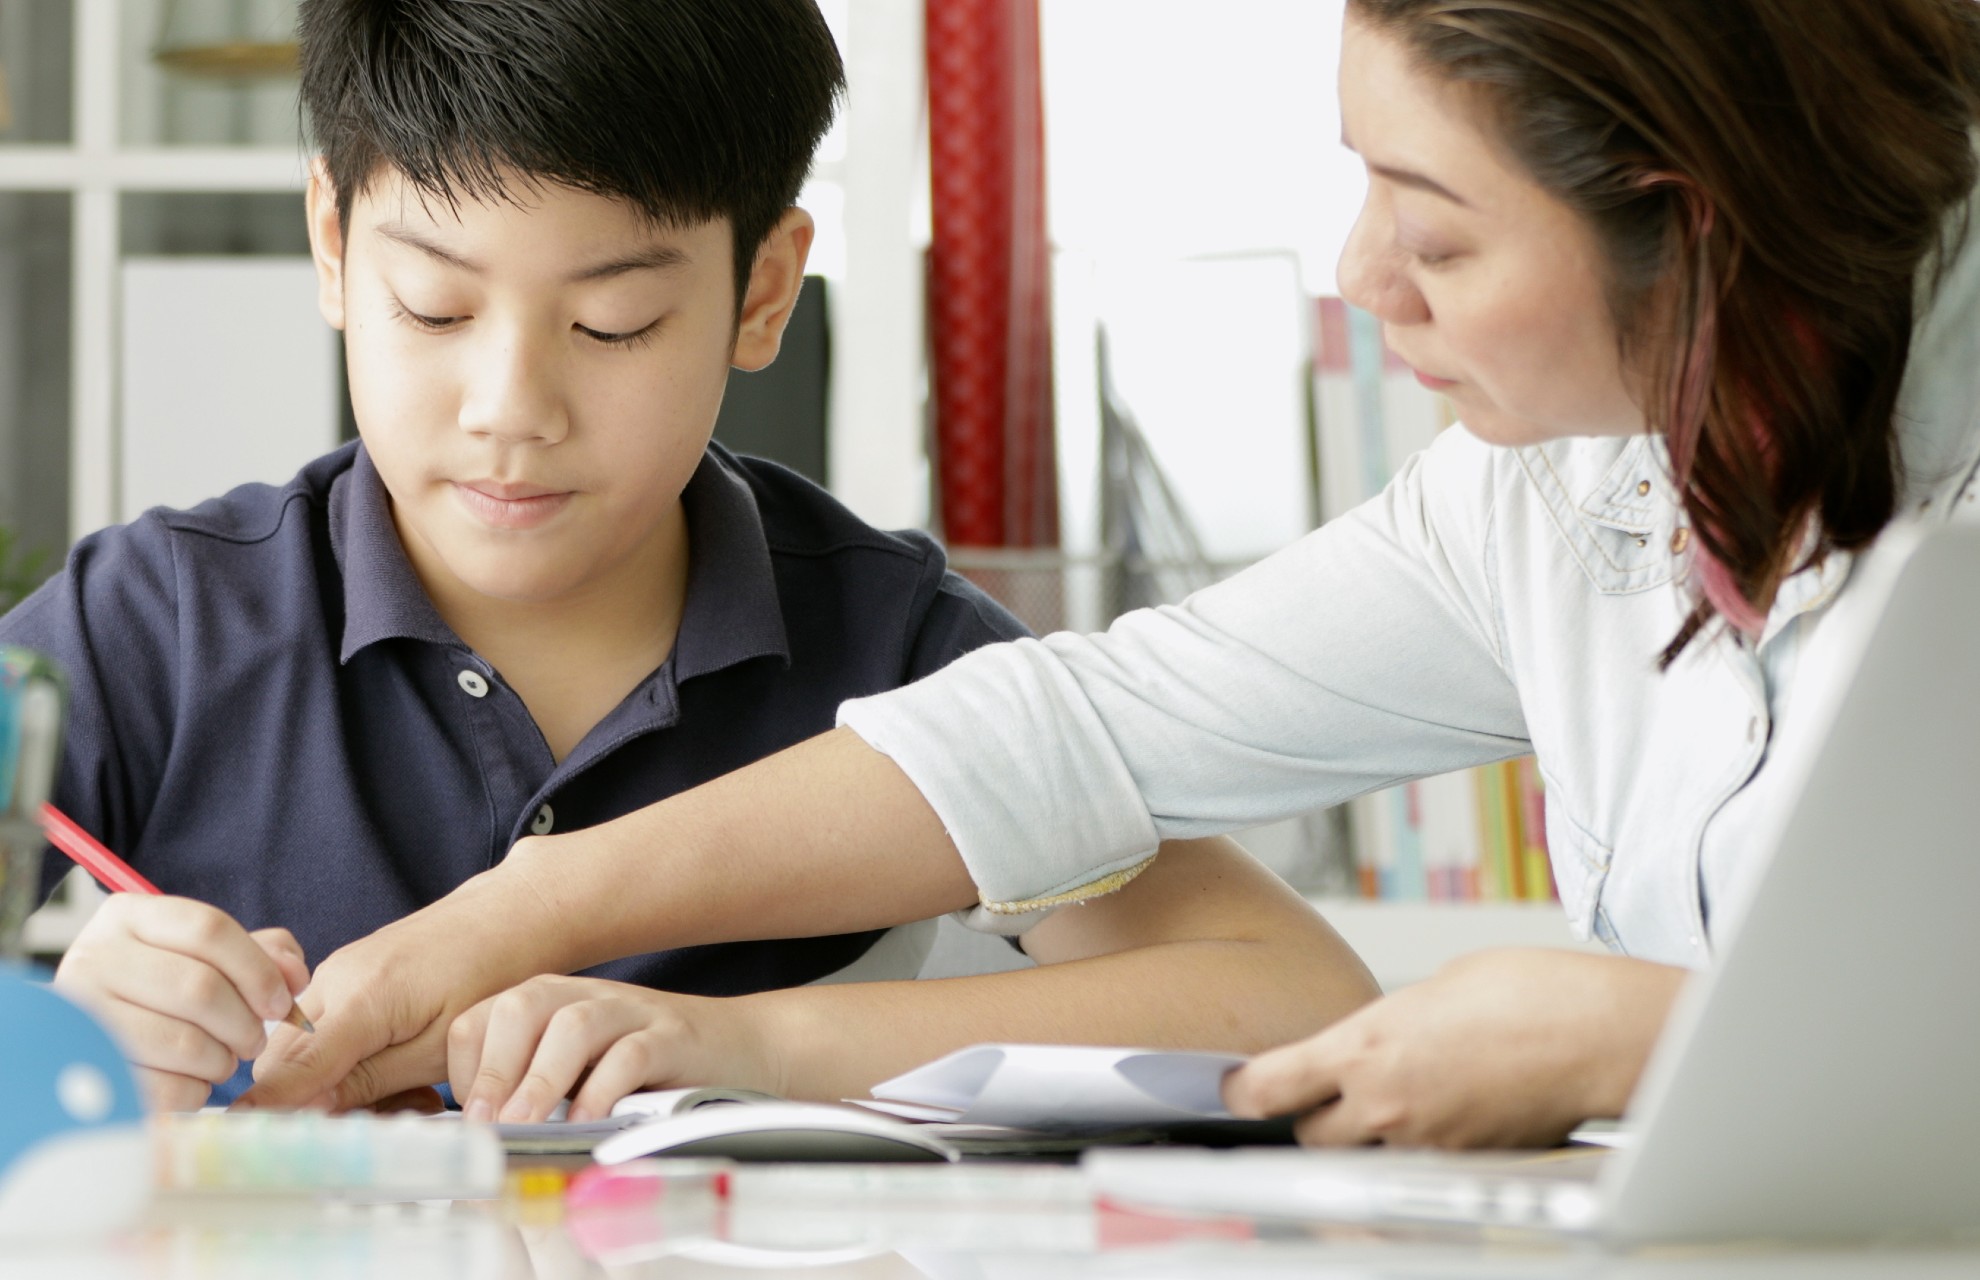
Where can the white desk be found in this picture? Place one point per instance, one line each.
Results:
(948, 1237)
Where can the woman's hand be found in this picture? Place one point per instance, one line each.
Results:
(1506, 1048)
(382, 1004)
(184, 988)
(515, 1056)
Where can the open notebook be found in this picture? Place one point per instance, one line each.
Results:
(991, 1096)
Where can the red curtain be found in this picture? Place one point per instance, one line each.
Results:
(989, 277)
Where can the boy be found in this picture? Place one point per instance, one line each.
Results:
(534, 597)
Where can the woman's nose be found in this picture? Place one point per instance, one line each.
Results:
(1371, 276)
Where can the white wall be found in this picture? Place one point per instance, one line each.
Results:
(1191, 153)
(1179, 129)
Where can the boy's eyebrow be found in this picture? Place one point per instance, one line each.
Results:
(662, 257)
(412, 239)
(659, 257)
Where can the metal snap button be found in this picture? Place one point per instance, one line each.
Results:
(1643, 489)
(1679, 541)
(472, 684)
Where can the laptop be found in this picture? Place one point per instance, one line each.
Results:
(1822, 1080)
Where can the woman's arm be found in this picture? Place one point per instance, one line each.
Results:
(1206, 950)
(826, 837)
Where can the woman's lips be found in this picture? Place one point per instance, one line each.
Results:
(510, 506)
(1433, 383)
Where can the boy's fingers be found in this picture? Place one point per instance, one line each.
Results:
(464, 1039)
(185, 1000)
(287, 953)
(636, 1062)
(165, 1091)
(210, 935)
(577, 1035)
(514, 1025)
(171, 1046)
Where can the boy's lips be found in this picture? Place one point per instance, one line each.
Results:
(510, 506)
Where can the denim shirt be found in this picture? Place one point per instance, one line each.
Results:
(1492, 601)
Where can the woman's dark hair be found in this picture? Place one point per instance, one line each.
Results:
(1768, 178)
(692, 110)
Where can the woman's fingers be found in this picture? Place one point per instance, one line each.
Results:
(1337, 1124)
(1296, 1077)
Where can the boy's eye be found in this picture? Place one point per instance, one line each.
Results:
(634, 337)
(433, 324)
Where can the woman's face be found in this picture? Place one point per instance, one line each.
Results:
(1491, 289)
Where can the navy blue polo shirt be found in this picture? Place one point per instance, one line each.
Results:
(269, 715)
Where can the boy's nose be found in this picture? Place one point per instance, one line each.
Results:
(516, 396)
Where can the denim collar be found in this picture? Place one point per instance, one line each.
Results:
(731, 615)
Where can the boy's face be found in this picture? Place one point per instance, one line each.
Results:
(536, 380)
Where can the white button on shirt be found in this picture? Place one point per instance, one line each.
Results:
(1491, 601)
(473, 683)
(545, 819)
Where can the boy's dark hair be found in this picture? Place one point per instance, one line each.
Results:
(690, 109)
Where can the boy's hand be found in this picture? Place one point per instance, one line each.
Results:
(1506, 1048)
(183, 987)
(516, 1056)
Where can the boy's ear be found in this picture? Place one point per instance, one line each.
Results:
(774, 285)
(326, 243)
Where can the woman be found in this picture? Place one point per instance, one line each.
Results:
(1695, 275)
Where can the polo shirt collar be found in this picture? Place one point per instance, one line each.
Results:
(383, 597)
(732, 612)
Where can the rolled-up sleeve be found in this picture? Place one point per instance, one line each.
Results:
(1366, 654)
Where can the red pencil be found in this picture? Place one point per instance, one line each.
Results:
(114, 873)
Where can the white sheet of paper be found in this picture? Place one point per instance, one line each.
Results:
(1039, 1086)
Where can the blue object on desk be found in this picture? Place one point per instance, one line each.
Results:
(75, 1155)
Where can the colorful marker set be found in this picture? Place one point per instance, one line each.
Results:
(353, 1157)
